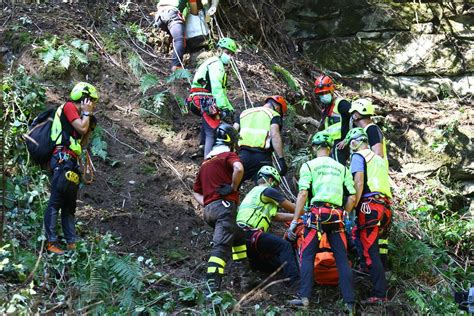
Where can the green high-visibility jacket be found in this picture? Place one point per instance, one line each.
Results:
(211, 75)
(325, 179)
(376, 178)
(256, 210)
(255, 127)
(333, 123)
(384, 145)
(57, 133)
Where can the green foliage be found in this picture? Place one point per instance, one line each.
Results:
(179, 74)
(148, 81)
(61, 55)
(138, 32)
(154, 103)
(288, 77)
(98, 145)
(136, 64)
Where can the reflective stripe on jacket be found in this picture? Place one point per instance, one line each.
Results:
(255, 127)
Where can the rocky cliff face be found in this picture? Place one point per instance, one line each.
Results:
(418, 49)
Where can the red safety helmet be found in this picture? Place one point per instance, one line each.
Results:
(323, 84)
(280, 100)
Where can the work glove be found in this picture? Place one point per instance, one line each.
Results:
(225, 189)
(291, 231)
(282, 165)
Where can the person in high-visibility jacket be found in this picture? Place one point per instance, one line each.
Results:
(260, 135)
(208, 95)
(71, 126)
(266, 251)
(373, 195)
(323, 182)
(335, 117)
(361, 112)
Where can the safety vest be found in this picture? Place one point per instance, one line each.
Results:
(255, 127)
(376, 178)
(325, 178)
(180, 4)
(384, 146)
(57, 133)
(255, 213)
(332, 123)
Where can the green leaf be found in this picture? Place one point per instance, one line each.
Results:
(80, 57)
(77, 43)
(289, 78)
(64, 57)
(179, 74)
(147, 82)
(48, 56)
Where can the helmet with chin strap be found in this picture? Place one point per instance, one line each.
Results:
(365, 107)
(323, 84)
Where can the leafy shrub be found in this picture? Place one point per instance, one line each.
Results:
(60, 56)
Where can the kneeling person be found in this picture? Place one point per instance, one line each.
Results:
(267, 251)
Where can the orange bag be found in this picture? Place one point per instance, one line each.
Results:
(325, 270)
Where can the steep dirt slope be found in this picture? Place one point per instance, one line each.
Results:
(141, 192)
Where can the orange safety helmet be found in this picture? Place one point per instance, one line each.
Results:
(323, 84)
(280, 100)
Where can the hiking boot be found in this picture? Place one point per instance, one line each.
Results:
(376, 300)
(51, 247)
(71, 246)
(300, 301)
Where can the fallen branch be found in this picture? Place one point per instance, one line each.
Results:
(255, 289)
(180, 177)
(85, 308)
(307, 120)
(32, 273)
(125, 144)
(102, 50)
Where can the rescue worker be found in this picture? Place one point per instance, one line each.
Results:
(323, 181)
(208, 95)
(169, 17)
(361, 112)
(72, 123)
(373, 194)
(260, 135)
(266, 251)
(335, 117)
(216, 188)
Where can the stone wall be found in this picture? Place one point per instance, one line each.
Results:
(418, 49)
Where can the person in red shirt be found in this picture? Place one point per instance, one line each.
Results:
(216, 188)
(71, 126)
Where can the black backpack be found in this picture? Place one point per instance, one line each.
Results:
(38, 139)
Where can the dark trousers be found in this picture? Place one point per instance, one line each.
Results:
(308, 252)
(253, 161)
(207, 136)
(63, 197)
(267, 252)
(221, 215)
(171, 21)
